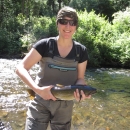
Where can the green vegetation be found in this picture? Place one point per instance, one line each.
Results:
(104, 31)
(108, 44)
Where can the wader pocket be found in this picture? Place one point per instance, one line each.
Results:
(62, 68)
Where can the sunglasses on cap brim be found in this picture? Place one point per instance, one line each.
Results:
(66, 21)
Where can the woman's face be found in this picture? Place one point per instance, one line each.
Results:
(66, 28)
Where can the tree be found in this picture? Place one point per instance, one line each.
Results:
(103, 7)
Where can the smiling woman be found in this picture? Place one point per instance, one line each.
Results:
(55, 55)
(68, 12)
(67, 22)
(66, 27)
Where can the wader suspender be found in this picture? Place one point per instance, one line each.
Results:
(51, 49)
(77, 48)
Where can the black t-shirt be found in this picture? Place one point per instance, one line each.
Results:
(42, 46)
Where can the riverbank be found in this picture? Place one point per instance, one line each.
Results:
(89, 66)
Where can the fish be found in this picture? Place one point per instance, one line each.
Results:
(61, 92)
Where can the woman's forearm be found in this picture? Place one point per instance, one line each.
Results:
(26, 78)
(81, 81)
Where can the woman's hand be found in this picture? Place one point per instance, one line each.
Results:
(45, 92)
(80, 96)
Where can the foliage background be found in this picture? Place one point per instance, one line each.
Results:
(104, 27)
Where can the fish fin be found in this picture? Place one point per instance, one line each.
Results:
(60, 85)
(31, 94)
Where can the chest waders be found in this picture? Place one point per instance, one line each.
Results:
(53, 70)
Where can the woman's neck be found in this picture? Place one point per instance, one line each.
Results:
(64, 42)
(64, 46)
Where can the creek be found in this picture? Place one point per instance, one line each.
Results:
(108, 109)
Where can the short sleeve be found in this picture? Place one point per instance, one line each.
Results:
(83, 54)
(41, 46)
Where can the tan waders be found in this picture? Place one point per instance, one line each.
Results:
(41, 112)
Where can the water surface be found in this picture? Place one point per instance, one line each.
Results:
(109, 109)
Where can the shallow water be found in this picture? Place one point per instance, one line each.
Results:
(109, 109)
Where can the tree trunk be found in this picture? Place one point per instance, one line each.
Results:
(59, 1)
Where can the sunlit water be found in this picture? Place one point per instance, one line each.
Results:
(109, 109)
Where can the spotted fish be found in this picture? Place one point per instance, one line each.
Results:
(67, 92)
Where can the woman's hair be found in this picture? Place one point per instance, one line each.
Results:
(67, 12)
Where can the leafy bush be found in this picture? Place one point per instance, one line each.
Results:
(121, 21)
(41, 27)
(9, 43)
(90, 26)
(108, 44)
(53, 28)
(121, 42)
(37, 28)
(3, 41)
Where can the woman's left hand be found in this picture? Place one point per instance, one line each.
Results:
(80, 96)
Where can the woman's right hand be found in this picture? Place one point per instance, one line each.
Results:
(45, 92)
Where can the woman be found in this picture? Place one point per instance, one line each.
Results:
(61, 61)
